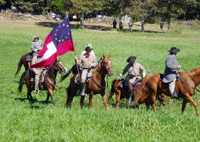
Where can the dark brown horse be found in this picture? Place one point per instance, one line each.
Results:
(185, 87)
(23, 61)
(49, 81)
(121, 93)
(96, 84)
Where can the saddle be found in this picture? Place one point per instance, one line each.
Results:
(29, 57)
(41, 78)
(89, 75)
(124, 85)
(167, 84)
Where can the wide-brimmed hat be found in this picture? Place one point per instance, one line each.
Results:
(174, 49)
(131, 59)
(89, 45)
(88, 48)
(35, 36)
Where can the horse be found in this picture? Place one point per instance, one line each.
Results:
(49, 80)
(23, 61)
(122, 93)
(185, 87)
(95, 85)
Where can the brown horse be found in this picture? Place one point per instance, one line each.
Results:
(49, 80)
(96, 84)
(185, 87)
(121, 93)
(23, 61)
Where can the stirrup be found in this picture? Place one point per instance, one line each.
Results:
(36, 91)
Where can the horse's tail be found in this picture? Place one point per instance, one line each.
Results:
(19, 66)
(143, 83)
(21, 81)
(112, 89)
(68, 73)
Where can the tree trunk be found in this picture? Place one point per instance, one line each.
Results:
(82, 21)
(142, 26)
(169, 25)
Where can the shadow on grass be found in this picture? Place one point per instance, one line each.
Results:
(91, 27)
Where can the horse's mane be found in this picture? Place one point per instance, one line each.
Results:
(192, 73)
(50, 71)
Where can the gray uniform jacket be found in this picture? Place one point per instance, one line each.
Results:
(170, 69)
(85, 62)
(134, 71)
(36, 44)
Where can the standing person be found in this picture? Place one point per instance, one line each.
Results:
(89, 45)
(37, 71)
(161, 25)
(134, 69)
(171, 70)
(35, 44)
(130, 24)
(86, 61)
(120, 26)
(114, 24)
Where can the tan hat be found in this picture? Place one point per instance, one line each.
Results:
(89, 45)
(39, 49)
(35, 36)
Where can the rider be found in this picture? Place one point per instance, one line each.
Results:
(37, 71)
(89, 45)
(134, 69)
(86, 61)
(35, 44)
(171, 70)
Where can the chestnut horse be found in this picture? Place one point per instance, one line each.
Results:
(121, 93)
(96, 84)
(49, 80)
(185, 87)
(23, 61)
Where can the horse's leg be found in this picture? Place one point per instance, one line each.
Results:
(153, 104)
(118, 94)
(51, 94)
(147, 104)
(71, 92)
(104, 100)
(189, 98)
(90, 99)
(184, 105)
(81, 101)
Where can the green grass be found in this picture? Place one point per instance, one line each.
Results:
(22, 120)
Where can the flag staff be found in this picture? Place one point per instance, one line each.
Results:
(76, 61)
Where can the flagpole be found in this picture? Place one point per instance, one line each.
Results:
(76, 61)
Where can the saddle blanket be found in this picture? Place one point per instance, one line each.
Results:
(89, 75)
(126, 87)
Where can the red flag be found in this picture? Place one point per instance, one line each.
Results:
(58, 42)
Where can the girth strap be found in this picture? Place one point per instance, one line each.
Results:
(99, 85)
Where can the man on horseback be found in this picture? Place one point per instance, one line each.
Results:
(37, 71)
(134, 69)
(35, 44)
(171, 71)
(86, 61)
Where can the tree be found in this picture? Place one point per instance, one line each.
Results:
(58, 6)
(83, 7)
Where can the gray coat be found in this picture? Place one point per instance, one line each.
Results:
(170, 69)
(36, 44)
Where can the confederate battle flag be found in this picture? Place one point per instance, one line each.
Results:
(58, 42)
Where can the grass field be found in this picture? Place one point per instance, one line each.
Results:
(23, 120)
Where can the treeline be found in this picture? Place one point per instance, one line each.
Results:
(143, 10)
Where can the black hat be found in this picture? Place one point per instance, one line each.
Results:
(174, 49)
(131, 59)
(88, 48)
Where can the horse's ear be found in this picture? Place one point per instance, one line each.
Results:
(109, 56)
(104, 56)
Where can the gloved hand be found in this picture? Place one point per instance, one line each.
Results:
(120, 75)
(75, 58)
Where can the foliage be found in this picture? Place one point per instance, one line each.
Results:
(58, 6)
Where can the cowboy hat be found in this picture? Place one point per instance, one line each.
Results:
(174, 49)
(131, 59)
(89, 45)
(35, 36)
(88, 48)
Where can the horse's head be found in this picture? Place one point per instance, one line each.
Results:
(57, 65)
(162, 99)
(106, 62)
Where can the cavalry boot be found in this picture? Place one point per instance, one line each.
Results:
(82, 93)
(130, 97)
(174, 95)
(36, 86)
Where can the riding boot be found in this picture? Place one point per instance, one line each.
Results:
(174, 95)
(36, 86)
(82, 91)
(130, 97)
